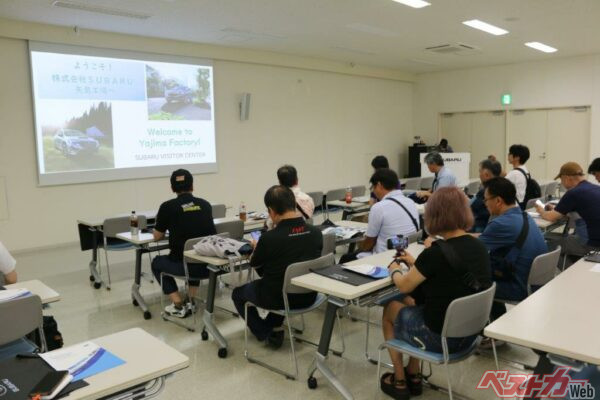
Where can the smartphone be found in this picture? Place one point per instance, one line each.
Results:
(256, 235)
(51, 384)
(399, 243)
(538, 202)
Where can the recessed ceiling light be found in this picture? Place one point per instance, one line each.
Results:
(414, 3)
(484, 26)
(541, 47)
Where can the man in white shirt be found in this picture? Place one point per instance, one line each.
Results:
(518, 155)
(288, 177)
(394, 214)
(7, 266)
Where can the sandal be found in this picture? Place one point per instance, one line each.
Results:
(414, 382)
(397, 389)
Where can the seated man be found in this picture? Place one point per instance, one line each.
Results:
(291, 241)
(288, 177)
(444, 177)
(7, 266)
(488, 169)
(518, 155)
(583, 198)
(510, 262)
(594, 169)
(393, 214)
(185, 217)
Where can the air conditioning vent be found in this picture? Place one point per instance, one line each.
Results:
(100, 9)
(458, 49)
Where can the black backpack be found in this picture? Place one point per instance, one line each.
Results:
(532, 191)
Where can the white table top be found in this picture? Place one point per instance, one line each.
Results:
(542, 223)
(47, 294)
(560, 318)
(346, 291)
(353, 205)
(146, 358)
(352, 224)
(139, 239)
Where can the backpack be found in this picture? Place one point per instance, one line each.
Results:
(532, 190)
(218, 246)
(52, 335)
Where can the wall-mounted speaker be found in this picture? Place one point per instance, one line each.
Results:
(245, 107)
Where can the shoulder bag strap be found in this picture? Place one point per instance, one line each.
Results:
(414, 221)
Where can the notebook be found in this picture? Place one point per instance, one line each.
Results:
(339, 273)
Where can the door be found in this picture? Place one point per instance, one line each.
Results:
(529, 127)
(568, 138)
(488, 137)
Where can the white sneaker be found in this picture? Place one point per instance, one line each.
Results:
(177, 311)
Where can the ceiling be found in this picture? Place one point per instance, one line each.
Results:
(379, 33)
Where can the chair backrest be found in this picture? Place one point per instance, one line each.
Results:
(412, 184)
(317, 198)
(235, 228)
(328, 244)
(473, 188)
(112, 226)
(531, 203)
(426, 182)
(303, 268)
(543, 269)
(335, 194)
(358, 191)
(551, 189)
(219, 210)
(468, 315)
(20, 317)
(413, 237)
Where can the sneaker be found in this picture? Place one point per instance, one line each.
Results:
(191, 305)
(174, 310)
(275, 339)
(486, 343)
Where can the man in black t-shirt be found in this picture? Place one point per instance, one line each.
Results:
(290, 241)
(185, 217)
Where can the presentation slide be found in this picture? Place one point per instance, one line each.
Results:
(101, 117)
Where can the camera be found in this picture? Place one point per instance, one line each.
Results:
(398, 243)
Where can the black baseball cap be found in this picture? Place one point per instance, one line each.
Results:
(181, 180)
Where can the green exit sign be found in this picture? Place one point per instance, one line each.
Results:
(506, 99)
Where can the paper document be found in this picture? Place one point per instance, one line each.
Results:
(361, 199)
(11, 294)
(534, 214)
(343, 232)
(373, 271)
(82, 360)
(595, 268)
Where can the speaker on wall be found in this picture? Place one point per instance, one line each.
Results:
(245, 107)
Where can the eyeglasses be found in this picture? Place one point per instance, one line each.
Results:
(486, 199)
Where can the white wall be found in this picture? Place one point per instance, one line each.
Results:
(327, 124)
(554, 83)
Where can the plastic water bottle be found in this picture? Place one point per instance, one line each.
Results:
(348, 195)
(133, 223)
(243, 214)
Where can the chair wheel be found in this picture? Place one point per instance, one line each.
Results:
(92, 279)
(204, 335)
(135, 302)
(222, 353)
(97, 285)
(147, 315)
(312, 382)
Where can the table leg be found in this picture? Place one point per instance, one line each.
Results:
(543, 367)
(94, 275)
(319, 363)
(209, 325)
(136, 296)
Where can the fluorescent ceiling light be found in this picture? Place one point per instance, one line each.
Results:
(541, 47)
(414, 3)
(484, 26)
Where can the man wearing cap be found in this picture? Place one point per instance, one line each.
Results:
(581, 197)
(185, 217)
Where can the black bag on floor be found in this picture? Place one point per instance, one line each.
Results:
(54, 339)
